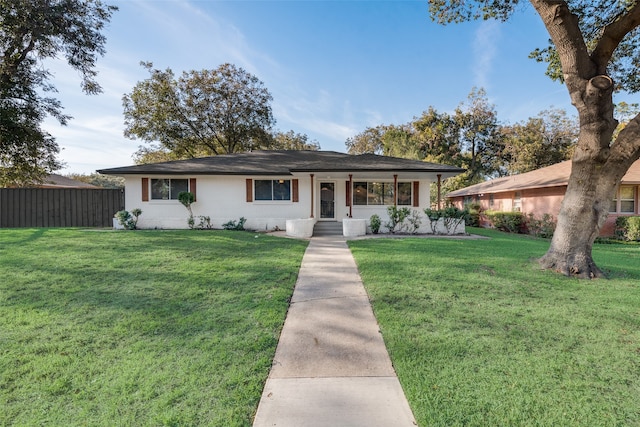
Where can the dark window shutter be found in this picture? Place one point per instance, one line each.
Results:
(348, 193)
(145, 189)
(416, 194)
(294, 190)
(249, 190)
(192, 188)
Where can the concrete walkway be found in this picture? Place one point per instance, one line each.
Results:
(331, 366)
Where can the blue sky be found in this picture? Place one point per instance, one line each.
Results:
(334, 68)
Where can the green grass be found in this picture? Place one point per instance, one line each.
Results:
(148, 328)
(479, 336)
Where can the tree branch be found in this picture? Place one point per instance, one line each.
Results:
(613, 35)
(564, 29)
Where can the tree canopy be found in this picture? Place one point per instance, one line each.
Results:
(30, 33)
(201, 113)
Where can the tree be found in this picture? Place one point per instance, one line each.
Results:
(31, 32)
(540, 141)
(367, 142)
(293, 141)
(99, 180)
(477, 122)
(594, 50)
(202, 113)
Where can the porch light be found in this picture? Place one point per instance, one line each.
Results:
(281, 181)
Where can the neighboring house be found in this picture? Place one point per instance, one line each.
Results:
(59, 181)
(541, 191)
(270, 187)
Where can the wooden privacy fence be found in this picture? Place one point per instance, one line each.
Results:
(59, 207)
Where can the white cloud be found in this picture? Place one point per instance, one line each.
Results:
(485, 50)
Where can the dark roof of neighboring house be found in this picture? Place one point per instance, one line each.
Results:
(284, 162)
(59, 181)
(551, 176)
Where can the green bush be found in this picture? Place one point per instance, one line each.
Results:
(452, 217)
(129, 220)
(433, 215)
(236, 226)
(375, 223)
(541, 227)
(396, 218)
(633, 228)
(628, 228)
(511, 222)
(621, 227)
(473, 218)
(187, 198)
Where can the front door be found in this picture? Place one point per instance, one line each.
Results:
(327, 200)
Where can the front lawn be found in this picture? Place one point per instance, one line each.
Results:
(481, 337)
(145, 328)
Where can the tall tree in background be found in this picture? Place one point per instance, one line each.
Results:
(293, 141)
(540, 141)
(202, 113)
(32, 31)
(594, 50)
(477, 122)
(367, 142)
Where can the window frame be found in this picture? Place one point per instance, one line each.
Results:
(170, 187)
(516, 205)
(617, 201)
(274, 190)
(383, 190)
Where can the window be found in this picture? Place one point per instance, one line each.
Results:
(381, 193)
(168, 189)
(626, 195)
(517, 202)
(272, 189)
(491, 201)
(404, 193)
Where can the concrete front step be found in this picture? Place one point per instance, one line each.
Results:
(323, 228)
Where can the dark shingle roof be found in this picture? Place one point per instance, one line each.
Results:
(283, 162)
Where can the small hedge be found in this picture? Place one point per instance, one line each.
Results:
(628, 228)
(511, 222)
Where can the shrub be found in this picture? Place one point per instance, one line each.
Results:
(375, 223)
(621, 227)
(633, 228)
(397, 217)
(541, 227)
(129, 220)
(473, 219)
(628, 228)
(414, 221)
(452, 217)
(187, 198)
(433, 215)
(236, 226)
(511, 222)
(205, 223)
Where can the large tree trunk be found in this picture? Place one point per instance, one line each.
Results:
(597, 168)
(598, 164)
(584, 210)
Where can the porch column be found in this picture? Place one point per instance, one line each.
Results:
(311, 175)
(439, 189)
(395, 190)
